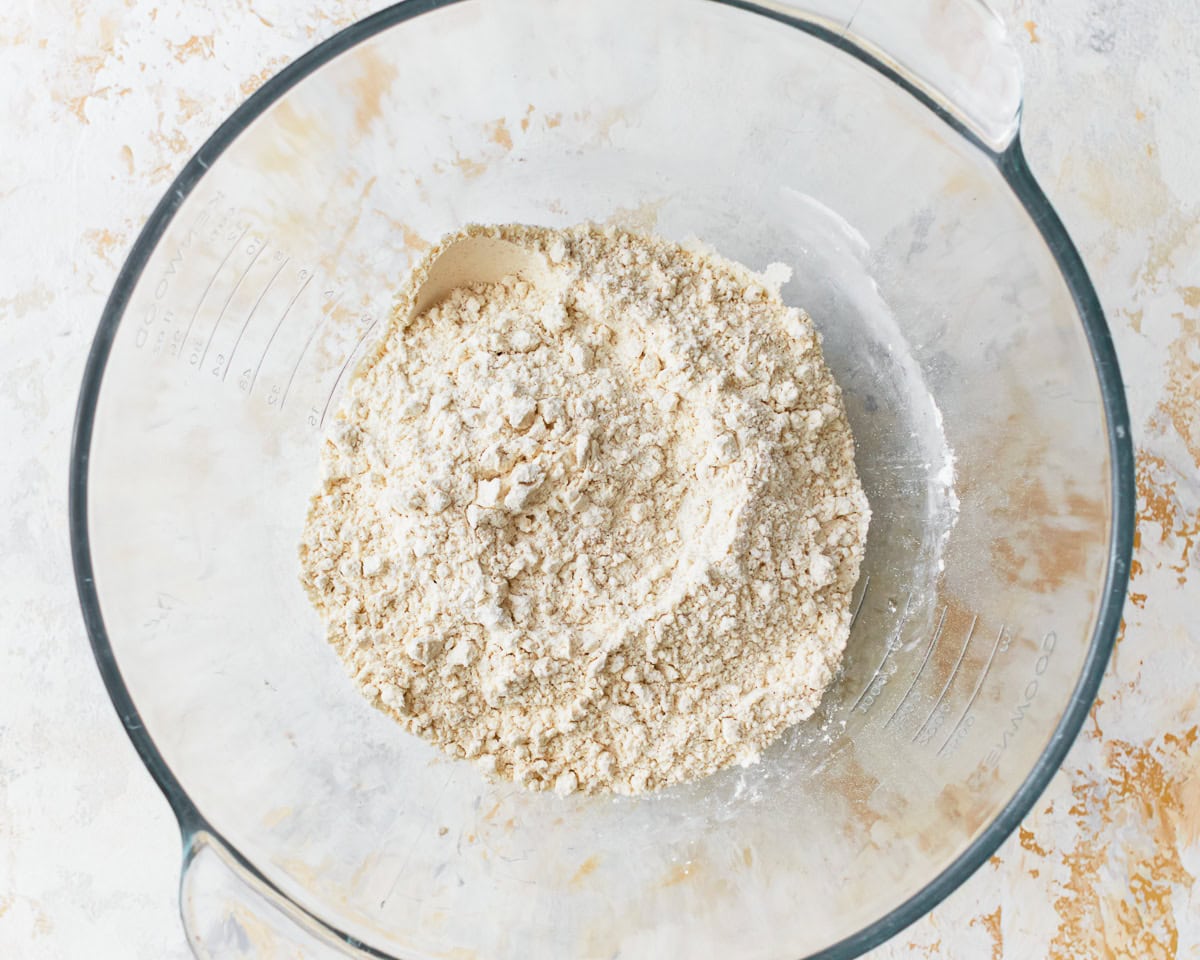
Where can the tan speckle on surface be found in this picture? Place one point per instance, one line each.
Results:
(643, 217)
(680, 873)
(1181, 399)
(586, 869)
(1029, 843)
(259, 77)
(1139, 806)
(500, 134)
(376, 75)
(24, 301)
(195, 46)
(469, 167)
(103, 243)
(991, 923)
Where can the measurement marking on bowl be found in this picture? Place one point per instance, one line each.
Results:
(974, 693)
(211, 280)
(271, 338)
(861, 600)
(250, 315)
(228, 300)
(891, 647)
(341, 373)
(303, 350)
(949, 680)
(937, 634)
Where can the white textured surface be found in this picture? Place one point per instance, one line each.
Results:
(103, 102)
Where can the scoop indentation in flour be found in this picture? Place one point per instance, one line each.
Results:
(597, 531)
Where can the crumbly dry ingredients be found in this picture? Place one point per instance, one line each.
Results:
(596, 532)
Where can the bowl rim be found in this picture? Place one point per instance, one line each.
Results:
(1010, 163)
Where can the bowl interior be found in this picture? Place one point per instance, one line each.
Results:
(969, 383)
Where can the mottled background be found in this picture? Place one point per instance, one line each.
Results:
(102, 103)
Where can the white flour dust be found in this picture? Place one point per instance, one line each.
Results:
(597, 531)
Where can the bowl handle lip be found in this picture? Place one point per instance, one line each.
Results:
(1011, 165)
(219, 891)
(954, 56)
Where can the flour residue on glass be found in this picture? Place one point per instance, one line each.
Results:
(907, 467)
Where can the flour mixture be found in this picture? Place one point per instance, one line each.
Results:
(596, 532)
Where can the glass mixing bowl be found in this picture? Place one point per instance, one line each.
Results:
(877, 155)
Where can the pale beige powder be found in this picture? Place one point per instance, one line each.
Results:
(598, 533)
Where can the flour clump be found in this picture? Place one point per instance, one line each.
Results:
(594, 528)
